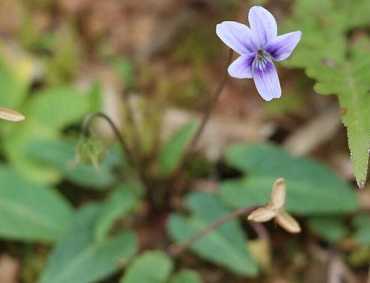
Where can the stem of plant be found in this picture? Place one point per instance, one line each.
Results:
(177, 249)
(211, 106)
(86, 130)
(207, 114)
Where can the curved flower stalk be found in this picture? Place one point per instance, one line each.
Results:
(258, 46)
(275, 209)
(11, 115)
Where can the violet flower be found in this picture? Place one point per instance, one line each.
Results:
(258, 46)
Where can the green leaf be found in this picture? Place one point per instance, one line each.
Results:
(356, 14)
(30, 212)
(172, 152)
(96, 97)
(186, 276)
(350, 82)
(14, 80)
(150, 267)
(61, 155)
(312, 189)
(15, 149)
(123, 200)
(362, 229)
(56, 108)
(47, 112)
(78, 258)
(125, 70)
(338, 66)
(226, 246)
(322, 33)
(332, 229)
(63, 65)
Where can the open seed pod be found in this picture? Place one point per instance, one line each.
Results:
(11, 115)
(275, 209)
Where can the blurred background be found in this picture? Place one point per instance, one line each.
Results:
(73, 210)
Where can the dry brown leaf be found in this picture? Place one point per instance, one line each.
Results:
(10, 115)
(286, 221)
(262, 214)
(278, 194)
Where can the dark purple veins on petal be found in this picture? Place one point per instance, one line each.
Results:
(265, 78)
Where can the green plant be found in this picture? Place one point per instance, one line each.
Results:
(128, 208)
(339, 64)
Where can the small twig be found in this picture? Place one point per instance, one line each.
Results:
(177, 249)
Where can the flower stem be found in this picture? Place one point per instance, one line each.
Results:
(211, 106)
(177, 249)
(86, 128)
(207, 114)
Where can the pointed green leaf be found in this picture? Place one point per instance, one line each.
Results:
(78, 258)
(350, 82)
(13, 86)
(186, 276)
(312, 188)
(47, 113)
(361, 222)
(331, 229)
(226, 246)
(150, 267)
(172, 152)
(30, 212)
(61, 155)
(123, 200)
(56, 108)
(338, 66)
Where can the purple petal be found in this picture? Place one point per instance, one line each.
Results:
(241, 67)
(282, 46)
(267, 81)
(263, 25)
(237, 36)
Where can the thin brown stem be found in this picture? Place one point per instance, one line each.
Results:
(177, 249)
(210, 107)
(207, 114)
(86, 128)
